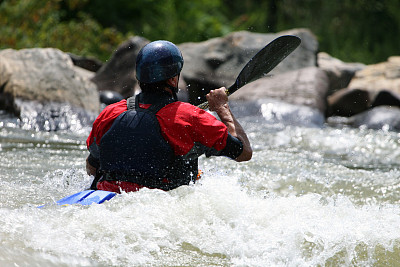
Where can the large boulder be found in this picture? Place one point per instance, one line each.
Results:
(348, 102)
(386, 98)
(217, 62)
(378, 77)
(87, 63)
(374, 85)
(45, 76)
(118, 74)
(340, 73)
(306, 87)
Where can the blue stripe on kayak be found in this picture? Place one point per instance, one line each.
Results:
(86, 197)
(75, 198)
(97, 196)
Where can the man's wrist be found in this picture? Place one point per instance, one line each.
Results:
(222, 108)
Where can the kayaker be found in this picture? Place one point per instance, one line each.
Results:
(153, 140)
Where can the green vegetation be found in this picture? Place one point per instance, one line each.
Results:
(38, 23)
(352, 30)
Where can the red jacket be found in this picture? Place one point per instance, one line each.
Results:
(182, 125)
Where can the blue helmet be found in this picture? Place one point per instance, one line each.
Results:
(158, 61)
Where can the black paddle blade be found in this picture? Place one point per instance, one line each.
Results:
(263, 62)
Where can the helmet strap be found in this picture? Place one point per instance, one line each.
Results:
(174, 96)
(173, 89)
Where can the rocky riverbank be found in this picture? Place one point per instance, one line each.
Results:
(46, 80)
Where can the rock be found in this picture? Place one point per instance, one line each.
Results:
(373, 85)
(348, 102)
(378, 77)
(86, 74)
(118, 74)
(43, 75)
(386, 98)
(339, 72)
(306, 87)
(87, 63)
(382, 117)
(217, 62)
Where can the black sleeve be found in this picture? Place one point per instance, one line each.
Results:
(233, 148)
(95, 162)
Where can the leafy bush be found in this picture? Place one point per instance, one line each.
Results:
(37, 23)
(352, 30)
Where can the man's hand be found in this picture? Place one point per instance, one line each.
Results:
(218, 102)
(217, 98)
(90, 169)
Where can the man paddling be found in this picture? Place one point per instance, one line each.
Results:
(152, 140)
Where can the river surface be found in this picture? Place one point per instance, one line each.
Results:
(311, 196)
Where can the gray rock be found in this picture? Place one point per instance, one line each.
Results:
(348, 102)
(217, 62)
(378, 77)
(44, 75)
(118, 74)
(306, 87)
(339, 72)
(87, 63)
(374, 85)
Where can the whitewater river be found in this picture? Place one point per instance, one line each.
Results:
(311, 196)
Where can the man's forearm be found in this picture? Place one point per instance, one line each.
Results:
(218, 101)
(236, 130)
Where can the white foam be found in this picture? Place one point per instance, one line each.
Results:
(217, 219)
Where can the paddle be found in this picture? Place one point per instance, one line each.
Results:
(263, 62)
